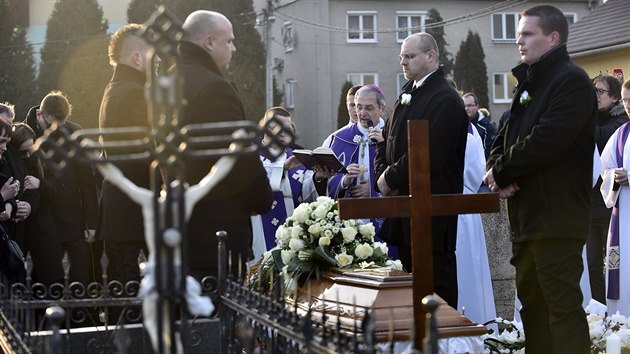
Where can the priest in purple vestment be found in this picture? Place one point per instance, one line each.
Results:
(291, 183)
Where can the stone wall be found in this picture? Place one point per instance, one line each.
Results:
(497, 232)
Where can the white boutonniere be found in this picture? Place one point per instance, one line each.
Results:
(525, 98)
(405, 99)
(357, 139)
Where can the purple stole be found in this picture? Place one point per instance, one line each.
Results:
(278, 213)
(347, 150)
(614, 253)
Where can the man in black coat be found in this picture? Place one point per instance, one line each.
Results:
(69, 199)
(123, 105)
(205, 53)
(542, 162)
(427, 95)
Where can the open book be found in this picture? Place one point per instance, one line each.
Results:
(321, 156)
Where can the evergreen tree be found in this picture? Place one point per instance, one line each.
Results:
(470, 71)
(342, 110)
(139, 11)
(446, 58)
(17, 72)
(74, 57)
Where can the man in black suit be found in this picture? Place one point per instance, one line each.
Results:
(123, 105)
(205, 53)
(427, 95)
(542, 163)
(69, 199)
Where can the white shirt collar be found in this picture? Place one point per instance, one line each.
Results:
(419, 83)
(364, 131)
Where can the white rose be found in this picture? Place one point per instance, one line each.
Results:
(348, 234)
(283, 234)
(381, 247)
(321, 211)
(363, 251)
(300, 214)
(296, 244)
(344, 259)
(296, 231)
(287, 256)
(324, 199)
(324, 241)
(398, 264)
(314, 229)
(367, 230)
(405, 99)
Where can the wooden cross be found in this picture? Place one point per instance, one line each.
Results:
(419, 206)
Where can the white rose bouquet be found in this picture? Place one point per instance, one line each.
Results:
(314, 239)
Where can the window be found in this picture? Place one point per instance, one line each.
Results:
(409, 22)
(400, 81)
(502, 87)
(362, 78)
(504, 27)
(289, 93)
(288, 37)
(361, 26)
(571, 17)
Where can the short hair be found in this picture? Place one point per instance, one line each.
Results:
(626, 85)
(272, 112)
(551, 20)
(380, 98)
(21, 133)
(116, 44)
(614, 86)
(470, 94)
(9, 109)
(200, 24)
(353, 90)
(56, 104)
(426, 42)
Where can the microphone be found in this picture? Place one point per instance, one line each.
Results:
(371, 125)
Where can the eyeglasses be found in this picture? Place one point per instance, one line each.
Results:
(412, 55)
(600, 91)
(470, 105)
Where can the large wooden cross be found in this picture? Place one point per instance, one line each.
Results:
(419, 206)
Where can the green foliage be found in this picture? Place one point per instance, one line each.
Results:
(446, 58)
(342, 111)
(470, 71)
(17, 74)
(139, 11)
(74, 58)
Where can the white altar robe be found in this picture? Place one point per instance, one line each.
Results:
(279, 181)
(609, 164)
(473, 271)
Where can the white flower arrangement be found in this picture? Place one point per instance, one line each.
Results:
(314, 239)
(525, 98)
(512, 338)
(405, 99)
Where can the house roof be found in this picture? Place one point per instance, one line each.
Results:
(607, 25)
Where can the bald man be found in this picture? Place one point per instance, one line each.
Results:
(123, 105)
(205, 54)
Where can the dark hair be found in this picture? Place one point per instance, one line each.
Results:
(5, 129)
(551, 20)
(614, 86)
(56, 104)
(470, 94)
(21, 133)
(353, 90)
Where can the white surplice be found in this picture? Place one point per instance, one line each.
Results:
(622, 195)
(473, 271)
